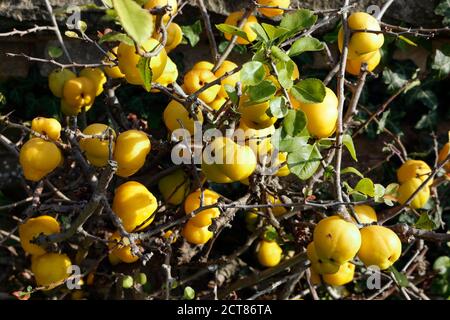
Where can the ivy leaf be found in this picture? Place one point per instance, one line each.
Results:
(252, 73)
(294, 124)
(309, 91)
(441, 64)
(278, 107)
(366, 187)
(305, 44)
(116, 36)
(233, 30)
(305, 161)
(261, 92)
(146, 72)
(399, 277)
(348, 143)
(427, 97)
(394, 80)
(55, 52)
(298, 20)
(137, 22)
(192, 32)
(441, 264)
(425, 223)
(443, 9)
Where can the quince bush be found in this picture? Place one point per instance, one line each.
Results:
(270, 177)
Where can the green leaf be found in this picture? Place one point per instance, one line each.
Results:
(273, 32)
(286, 143)
(352, 170)
(137, 22)
(270, 234)
(294, 123)
(441, 64)
(233, 30)
(232, 94)
(366, 186)
(394, 80)
(425, 223)
(298, 20)
(261, 92)
(379, 191)
(146, 72)
(425, 96)
(304, 161)
(279, 54)
(260, 32)
(408, 41)
(189, 293)
(71, 34)
(285, 70)
(348, 143)
(441, 264)
(305, 44)
(192, 32)
(392, 189)
(116, 36)
(278, 107)
(252, 73)
(309, 91)
(399, 277)
(443, 9)
(55, 52)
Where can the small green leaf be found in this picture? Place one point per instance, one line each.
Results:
(82, 26)
(252, 73)
(192, 32)
(137, 22)
(262, 92)
(309, 91)
(232, 94)
(278, 107)
(392, 189)
(71, 34)
(189, 293)
(127, 282)
(279, 54)
(379, 191)
(116, 36)
(348, 143)
(270, 234)
(366, 186)
(146, 72)
(305, 161)
(399, 277)
(298, 20)
(233, 30)
(260, 32)
(352, 170)
(294, 123)
(408, 41)
(305, 44)
(425, 223)
(55, 52)
(285, 70)
(273, 32)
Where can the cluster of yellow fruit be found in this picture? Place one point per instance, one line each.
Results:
(129, 150)
(76, 92)
(363, 46)
(196, 229)
(164, 70)
(135, 205)
(336, 242)
(39, 156)
(50, 269)
(410, 176)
